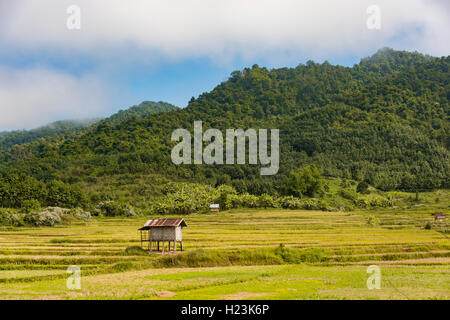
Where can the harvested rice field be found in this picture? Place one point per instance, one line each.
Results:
(240, 254)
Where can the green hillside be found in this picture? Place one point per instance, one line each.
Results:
(384, 121)
(140, 111)
(63, 127)
(70, 128)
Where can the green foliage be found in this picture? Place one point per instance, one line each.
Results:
(363, 187)
(49, 217)
(223, 200)
(135, 251)
(114, 209)
(64, 128)
(30, 206)
(141, 111)
(310, 255)
(304, 181)
(348, 194)
(18, 190)
(9, 217)
(372, 221)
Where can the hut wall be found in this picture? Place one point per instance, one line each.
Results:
(163, 234)
(178, 234)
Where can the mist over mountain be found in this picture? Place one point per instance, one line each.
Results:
(69, 128)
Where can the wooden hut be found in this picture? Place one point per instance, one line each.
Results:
(160, 231)
(214, 207)
(439, 216)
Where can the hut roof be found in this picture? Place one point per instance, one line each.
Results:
(214, 206)
(439, 214)
(166, 222)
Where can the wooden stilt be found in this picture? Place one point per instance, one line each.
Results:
(158, 246)
(163, 247)
(174, 246)
(149, 241)
(181, 243)
(169, 245)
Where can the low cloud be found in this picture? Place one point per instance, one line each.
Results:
(30, 98)
(118, 33)
(219, 29)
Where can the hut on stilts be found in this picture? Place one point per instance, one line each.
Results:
(156, 232)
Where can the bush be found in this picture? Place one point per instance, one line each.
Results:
(49, 217)
(372, 221)
(135, 251)
(290, 202)
(11, 218)
(291, 255)
(30, 206)
(45, 218)
(114, 209)
(267, 201)
(363, 187)
(304, 181)
(347, 194)
(80, 214)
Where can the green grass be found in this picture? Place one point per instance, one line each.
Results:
(234, 255)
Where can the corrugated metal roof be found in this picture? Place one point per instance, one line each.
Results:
(165, 222)
(214, 206)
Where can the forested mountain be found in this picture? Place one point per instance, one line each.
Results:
(384, 121)
(70, 128)
(11, 138)
(140, 111)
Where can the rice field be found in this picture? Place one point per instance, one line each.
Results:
(414, 261)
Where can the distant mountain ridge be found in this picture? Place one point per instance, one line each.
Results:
(140, 111)
(71, 127)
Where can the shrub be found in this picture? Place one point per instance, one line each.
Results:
(372, 221)
(135, 251)
(80, 214)
(314, 204)
(122, 266)
(49, 217)
(11, 218)
(114, 209)
(347, 194)
(223, 200)
(290, 202)
(291, 255)
(304, 181)
(363, 187)
(30, 206)
(45, 218)
(267, 201)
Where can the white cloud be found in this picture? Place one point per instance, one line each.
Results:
(220, 28)
(118, 32)
(29, 98)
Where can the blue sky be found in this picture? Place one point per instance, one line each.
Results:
(171, 81)
(126, 52)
